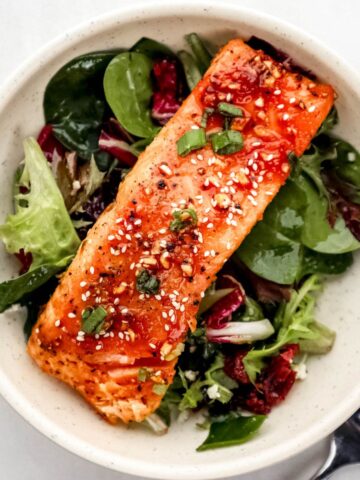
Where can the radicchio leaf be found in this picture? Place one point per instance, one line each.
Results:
(165, 97)
(117, 148)
(49, 144)
(220, 313)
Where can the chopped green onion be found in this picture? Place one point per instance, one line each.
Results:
(191, 70)
(147, 283)
(227, 142)
(199, 50)
(93, 320)
(205, 116)
(143, 374)
(159, 389)
(229, 110)
(191, 140)
(182, 219)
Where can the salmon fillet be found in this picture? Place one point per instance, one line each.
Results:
(123, 371)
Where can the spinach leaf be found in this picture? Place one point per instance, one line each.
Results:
(329, 123)
(329, 264)
(13, 291)
(347, 164)
(317, 233)
(279, 247)
(191, 69)
(231, 429)
(74, 102)
(34, 302)
(199, 50)
(152, 48)
(271, 255)
(128, 91)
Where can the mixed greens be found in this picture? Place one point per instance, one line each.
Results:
(256, 323)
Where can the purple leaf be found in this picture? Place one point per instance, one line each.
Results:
(49, 144)
(220, 313)
(165, 97)
(117, 147)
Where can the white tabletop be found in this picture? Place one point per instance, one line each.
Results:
(26, 25)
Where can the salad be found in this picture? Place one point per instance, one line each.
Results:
(256, 324)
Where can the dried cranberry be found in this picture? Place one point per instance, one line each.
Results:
(272, 385)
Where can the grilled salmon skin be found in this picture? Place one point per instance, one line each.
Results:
(140, 274)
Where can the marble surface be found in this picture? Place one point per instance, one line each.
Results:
(25, 454)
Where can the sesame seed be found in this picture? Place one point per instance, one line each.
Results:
(256, 144)
(195, 249)
(124, 310)
(250, 162)
(162, 293)
(57, 323)
(123, 250)
(176, 292)
(132, 266)
(210, 225)
(194, 127)
(252, 200)
(171, 312)
(292, 100)
(128, 237)
(268, 193)
(164, 314)
(116, 301)
(286, 116)
(83, 284)
(228, 245)
(120, 232)
(185, 299)
(202, 294)
(165, 169)
(83, 297)
(137, 221)
(71, 315)
(157, 297)
(182, 308)
(92, 270)
(277, 92)
(253, 193)
(199, 157)
(312, 108)
(193, 161)
(228, 97)
(166, 327)
(280, 106)
(114, 252)
(111, 237)
(118, 220)
(121, 335)
(162, 230)
(152, 345)
(259, 102)
(213, 253)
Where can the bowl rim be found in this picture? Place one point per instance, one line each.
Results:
(8, 390)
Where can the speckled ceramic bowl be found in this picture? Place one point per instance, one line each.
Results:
(316, 406)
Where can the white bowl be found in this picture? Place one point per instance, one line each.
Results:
(316, 406)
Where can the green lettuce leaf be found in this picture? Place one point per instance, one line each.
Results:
(40, 225)
(294, 322)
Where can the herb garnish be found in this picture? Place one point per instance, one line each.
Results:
(182, 219)
(227, 142)
(191, 140)
(93, 320)
(229, 110)
(147, 283)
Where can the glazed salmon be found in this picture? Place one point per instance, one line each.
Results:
(147, 261)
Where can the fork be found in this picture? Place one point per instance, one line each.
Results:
(344, 448)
